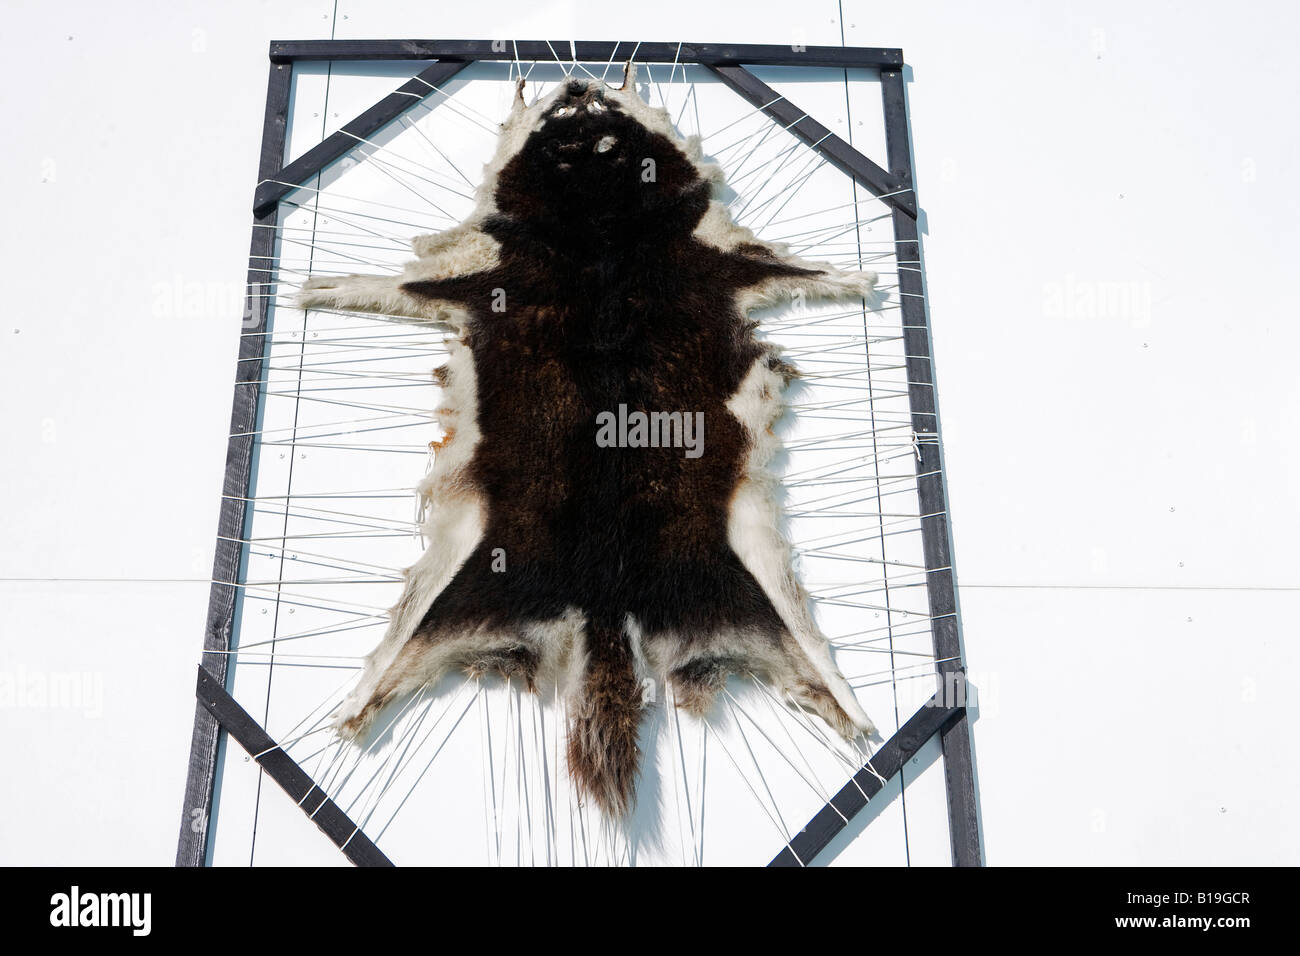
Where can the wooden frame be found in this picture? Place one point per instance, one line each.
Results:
(945, 714)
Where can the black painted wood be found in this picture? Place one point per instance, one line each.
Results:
(892, 189)
(223, 597)
(588, 51)
(281, 768)
(854, 795)
(280, 182)
(958, 758)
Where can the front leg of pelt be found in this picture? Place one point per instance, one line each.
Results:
(381, 294)
(858, 283)
(833, 285)
(824, 285)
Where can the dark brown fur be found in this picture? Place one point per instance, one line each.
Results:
(580, 287)
(609, 301)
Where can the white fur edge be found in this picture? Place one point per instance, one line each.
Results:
(717, 229)
(453, 526)
(753, 531)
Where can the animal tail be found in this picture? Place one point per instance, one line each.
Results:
(605, 718)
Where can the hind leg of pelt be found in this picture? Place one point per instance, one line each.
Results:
(518, 662)
(696, 686)
(806, 687)
(812, 694)
(418, 663)
(697, 683)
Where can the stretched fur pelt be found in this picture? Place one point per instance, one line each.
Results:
(601, 510)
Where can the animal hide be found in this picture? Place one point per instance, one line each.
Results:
(596, 279)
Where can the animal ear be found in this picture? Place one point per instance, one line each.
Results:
(629, 76)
